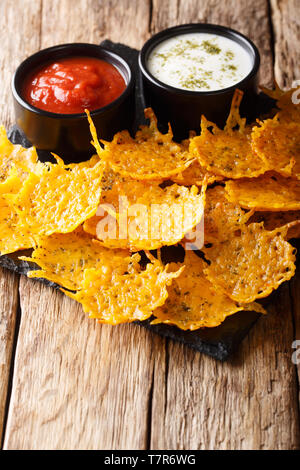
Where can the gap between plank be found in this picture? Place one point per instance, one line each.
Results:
(150, 15)
(293, 313)
(41, 24)
(149, 411)
(272, 33)
(166, 374)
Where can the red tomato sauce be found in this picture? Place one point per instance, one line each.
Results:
(71, 85)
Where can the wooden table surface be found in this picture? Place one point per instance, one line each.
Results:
(69, 383)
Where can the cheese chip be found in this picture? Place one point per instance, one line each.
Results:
(150, 155)
(59, 199)
(269, 192)
(227, 152)
(121, 291)
(14, 236)
(250, 265)
(273, 220)
(151, 217)
(64, 257)
(278, 144)
(15, 156)
(194, 302)
(115, 187)
(197, 175)
(287, 102)
(221, 216)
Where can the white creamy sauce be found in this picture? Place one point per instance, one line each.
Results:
(199, 62)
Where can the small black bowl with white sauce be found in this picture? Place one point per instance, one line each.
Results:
(193, 69)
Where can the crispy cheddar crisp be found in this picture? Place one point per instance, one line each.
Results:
(90, 225)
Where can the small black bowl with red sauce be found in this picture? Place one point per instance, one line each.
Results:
(53, 87)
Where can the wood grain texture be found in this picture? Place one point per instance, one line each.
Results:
(19, 37)
(248, 403)
(250, 18)
(15, 44)
(286, 24)
(243, 404)
(94, 20)
(295, 296)
(73, 391)
(77, 384)
(8, 313)
(81, 385)
(286, 21)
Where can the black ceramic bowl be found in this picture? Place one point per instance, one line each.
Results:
(183, 108)
(68, 135)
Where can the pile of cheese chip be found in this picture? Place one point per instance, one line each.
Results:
(245, 179)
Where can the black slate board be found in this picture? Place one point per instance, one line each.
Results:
(217, 342)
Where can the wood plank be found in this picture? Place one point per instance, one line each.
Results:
(78, 384)
(14, 48)
(251, 402)
(8, 313)
(18, 19)
(123, 21)
(286, 21)
(250, 18)
(85, 386)
(248, 403)
(295, 295)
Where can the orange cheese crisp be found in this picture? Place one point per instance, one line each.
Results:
(85, 220)
(150, 155)
(59, 199)
(270, 192)
(251, 265)
(197, 175)
(14, 236)
(278, 144)
(194, 302)
(121, 291)
(227, 152)
(115, 188)
(273, 220)
(15, 156)
(154, 217)
(221, 216)
(289, 111)
(64, 257)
